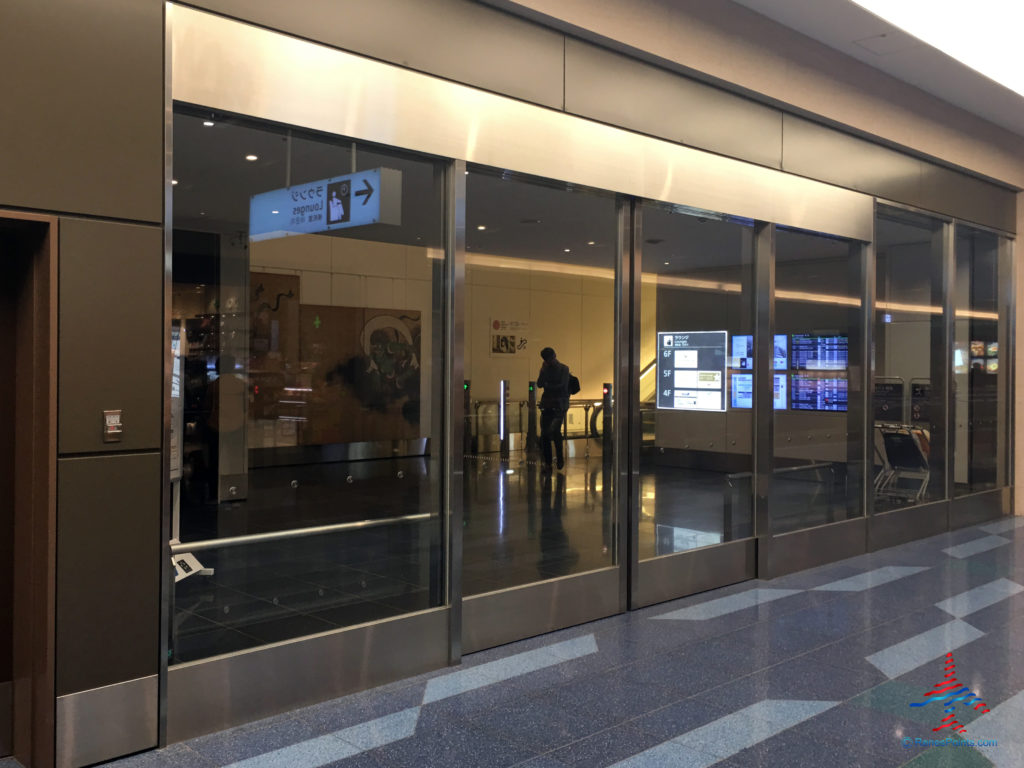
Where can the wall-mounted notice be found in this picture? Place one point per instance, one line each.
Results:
(691, 370)
(508, 337)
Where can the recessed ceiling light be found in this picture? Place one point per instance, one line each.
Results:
(208, 123)
(173, 182)
(202, 213)
(481, 227)
(251, 158)
(591, 242)
(275, 211)
(666, 263)
(568, 250)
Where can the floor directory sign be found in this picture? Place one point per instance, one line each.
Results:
(691, 370)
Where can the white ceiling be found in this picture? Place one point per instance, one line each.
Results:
(848, 28)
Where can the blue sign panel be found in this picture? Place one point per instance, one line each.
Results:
(367, 197)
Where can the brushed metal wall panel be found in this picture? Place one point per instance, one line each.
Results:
(83, 107)
(111, 346)
(814, 150)
(979, 507)
(968, 198)
(222, 692)
(800, 550)
(6, 718)
(107, 722)
(496, 618)
(108, 570)
(236, 67)
(455, 39)
(820, 152)
(686, 573)
(889, 529)
(620, 90)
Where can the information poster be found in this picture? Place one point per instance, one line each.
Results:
(691, 370)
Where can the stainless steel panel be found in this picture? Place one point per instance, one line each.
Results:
(108, 570)
(963, 196)
(454, 39)
(111, 341)
(455, 405)
(81, 84)
(293, 81)
(808, 548)
(104, 723)
(819, 152)
(626, 422)
(496, 618)
(814, 150)
(686, 573)
(6, 718)
(624, 91)
(979, 507)
(889, 529)
(213, 694)
(764, 413)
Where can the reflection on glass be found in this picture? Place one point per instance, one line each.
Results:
(818, 465)
(696, 381)
(306, 291)
(908, 401)
(540, 273)
(980, 385)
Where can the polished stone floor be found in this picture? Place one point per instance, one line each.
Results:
(818, 668)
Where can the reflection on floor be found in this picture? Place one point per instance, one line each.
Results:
(818, 668)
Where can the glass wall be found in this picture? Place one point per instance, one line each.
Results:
(980, 349)
(540, 274)
(819, 438)
(909, 398)
(696, 385)
(307, 318)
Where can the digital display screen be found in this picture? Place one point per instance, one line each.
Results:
(820, 353)
(813, 393)
(742, 390)
(779, 391)
(992, 350)
(691, 370)
(992, 365)
(741, 386)
(959, 358)
(781, 353)
(742, 352)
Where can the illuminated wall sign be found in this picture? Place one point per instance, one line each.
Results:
(691, 370)
(367, 197)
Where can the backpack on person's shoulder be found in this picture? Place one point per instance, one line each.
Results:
(574, 385)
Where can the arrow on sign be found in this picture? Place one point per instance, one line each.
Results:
(367, 193)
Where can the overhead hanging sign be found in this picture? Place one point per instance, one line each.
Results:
(355, 200)
(691, 370)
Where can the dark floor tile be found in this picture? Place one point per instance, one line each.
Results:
(453, 745)
(606, 747)
(250, 740)
(174, 756)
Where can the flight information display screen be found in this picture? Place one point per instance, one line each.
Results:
(814, 393)
(820, 353)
